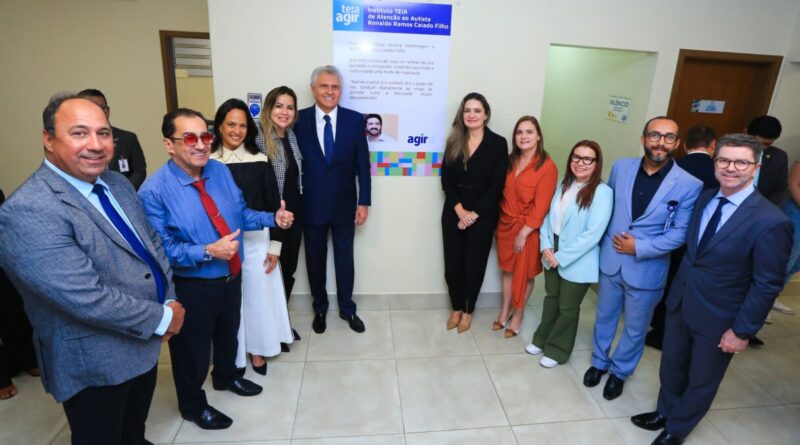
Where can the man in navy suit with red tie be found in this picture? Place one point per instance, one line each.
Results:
(335, 156)
(738, 244)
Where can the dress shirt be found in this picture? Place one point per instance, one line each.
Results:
(645, 187)
(175, 211)
(240, 155)
(758, 172)
(85, 189)
(561, 206)
(320, 115)
(735, 199)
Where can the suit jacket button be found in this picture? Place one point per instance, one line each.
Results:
(147, 276)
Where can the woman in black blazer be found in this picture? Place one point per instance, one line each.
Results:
(473, 174)
(277, 140)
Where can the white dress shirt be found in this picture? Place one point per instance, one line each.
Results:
(321, 124)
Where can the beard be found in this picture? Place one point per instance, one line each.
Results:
(655, 158)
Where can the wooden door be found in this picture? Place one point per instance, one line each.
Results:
(744, 82)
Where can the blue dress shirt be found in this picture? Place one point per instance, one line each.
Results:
(85, 189)
(735, 199)
(175, 211)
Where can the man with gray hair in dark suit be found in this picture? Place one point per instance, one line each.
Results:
(93, 275)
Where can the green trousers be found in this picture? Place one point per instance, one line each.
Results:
(562, 304)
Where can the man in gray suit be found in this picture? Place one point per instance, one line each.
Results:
(93, 275)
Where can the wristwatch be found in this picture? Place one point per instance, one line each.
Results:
(206, 254)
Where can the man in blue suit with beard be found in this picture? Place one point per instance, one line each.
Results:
(738, 244)
(653, 201)
(335, 155)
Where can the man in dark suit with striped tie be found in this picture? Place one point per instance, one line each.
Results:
(738, 244)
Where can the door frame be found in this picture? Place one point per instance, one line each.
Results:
(773, 63)
(167, 53)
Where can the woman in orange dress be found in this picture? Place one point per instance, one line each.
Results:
(530, 185)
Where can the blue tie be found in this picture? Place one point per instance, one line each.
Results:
(713, 223)
(132, 240)
(327, 138)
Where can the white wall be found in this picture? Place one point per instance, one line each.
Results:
(577, 89)
(499, 48)
(49, 46)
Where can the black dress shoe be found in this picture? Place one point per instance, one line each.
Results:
(319, 324)
(613, 388)
(260, 369)
(355, 323)
(650, 421)
(240, 386)
(240, 371)
(296, 335)
(666, 438)
(210, 419)
(593, 376)
(755, 342)
(285, 347)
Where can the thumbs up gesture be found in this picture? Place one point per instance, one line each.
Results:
(226, 247)
(283, 217)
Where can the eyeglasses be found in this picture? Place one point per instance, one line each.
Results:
(655, 136)
(585, 160)
(191, 139)
(738, 164)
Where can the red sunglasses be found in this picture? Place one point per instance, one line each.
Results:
(191, 139)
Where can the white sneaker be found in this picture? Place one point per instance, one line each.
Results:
(547, 362)
(532, 349)
(782, 308)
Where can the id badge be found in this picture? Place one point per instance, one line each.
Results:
(123, 166)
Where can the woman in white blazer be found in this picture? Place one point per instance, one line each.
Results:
(569, 242)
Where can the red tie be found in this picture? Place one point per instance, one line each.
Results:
(235, 264)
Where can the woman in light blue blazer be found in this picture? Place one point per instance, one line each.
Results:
(569, 241)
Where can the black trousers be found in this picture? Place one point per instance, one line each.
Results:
(213, 310)
(655, 337)
(466, 253)
(16, 334)
(109, 415)
(692, 368)
(317, 264)
(290, 252)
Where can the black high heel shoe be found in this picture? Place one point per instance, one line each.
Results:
(285, 347)
(259, 369)
(296, 335)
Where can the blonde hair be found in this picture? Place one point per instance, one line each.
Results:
(267, 126)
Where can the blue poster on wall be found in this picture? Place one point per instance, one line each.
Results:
(395, 61)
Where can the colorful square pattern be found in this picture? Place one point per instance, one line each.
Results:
(405, 163)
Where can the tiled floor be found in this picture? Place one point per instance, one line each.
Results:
(409, 381)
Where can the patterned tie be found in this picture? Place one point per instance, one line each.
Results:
(234, 264)
(713, 224)
(133, 241)
(328, 139)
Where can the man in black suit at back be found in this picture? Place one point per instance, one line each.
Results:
(773, 181)
(700, 143)
(128, 155)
